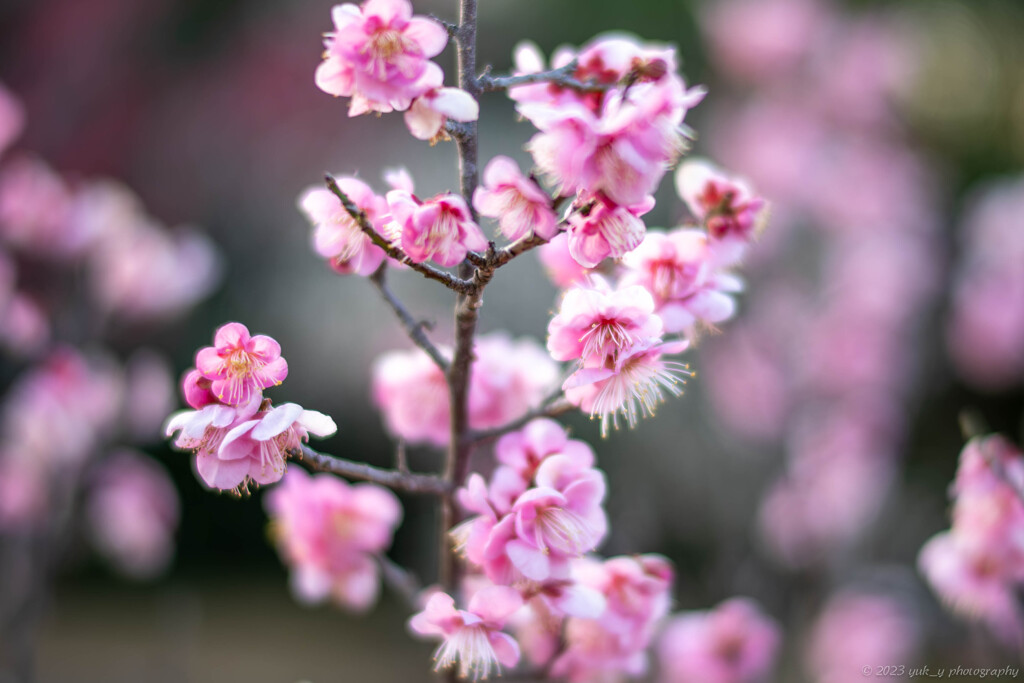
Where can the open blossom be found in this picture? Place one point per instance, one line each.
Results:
(379, 55)
(240, 366)
(524, 450)
(133, 512)
(600, 229)
(238, 446)
(329, 532)
(595, 322)
(733, 643)
(633, 383)
(679, 270)
(472, 637)
(727, 207)
(521, 206)
(336, 236)
(440, 229)
(613, 644)
(427, 116)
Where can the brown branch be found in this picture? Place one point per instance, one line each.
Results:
(551, 408)
(562, 76)
(520, 246)
(408, 482)
(413, 327)
(359, 216)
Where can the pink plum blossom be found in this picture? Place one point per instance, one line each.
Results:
(595, 322)
(133, 512)
(623, 150)
(524, 450)
(521, 206)
(727, 207)
(379, 55)
(149, 393)
(12, 118)
(986, 326)
(197, 390)
(427, 116)
(240, 366)
(63, 408)
(600, 229)
(733, 643)
(637, 592)
(473, 637)
(758, 40)
(35, 210)
(440, 229)
(633, 383)
(412, 394)
(977, 567)
(559, 264)
(203, 431)
(329, 532)
(336, 236)
(255, 450)
(678, 268)
(856, 627)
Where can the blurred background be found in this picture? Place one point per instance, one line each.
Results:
(810, 456)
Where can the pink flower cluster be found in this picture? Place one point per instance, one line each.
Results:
(541, 509)
(439, 229)
(733, 643)
(508, 378)
(977, 567)
(610, 146)
(239, 437)
(329, 533)
(986, 330)
(837, 402)
(379, 55)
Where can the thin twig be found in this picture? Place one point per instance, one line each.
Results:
(402, 581)
(408, 482)
(561, 76)
(551, 408)
(413, 327)
(447, 279)
(520, 246)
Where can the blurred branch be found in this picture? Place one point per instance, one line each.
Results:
(413, 327)
(553, 407)
(560, 76)
(357, 214)
(402, 581)
(399, 481)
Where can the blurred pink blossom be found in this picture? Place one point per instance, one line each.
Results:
(336, 236)
(133, 512)
(519, 204)
(733, 643)
(328, 532)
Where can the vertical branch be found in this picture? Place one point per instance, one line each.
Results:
(466, 305)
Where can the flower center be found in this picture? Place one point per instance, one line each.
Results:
(471, 647)
(387, 43)
(564, 531)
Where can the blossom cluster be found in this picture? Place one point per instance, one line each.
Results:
(239, 437)
(977, 566)
(56, 421)
(837, 402)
